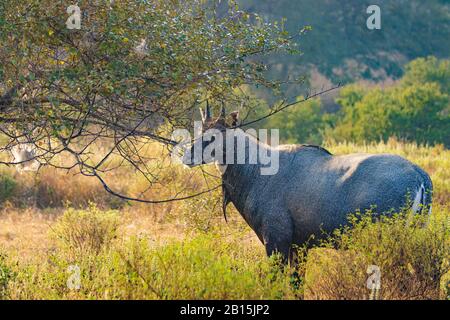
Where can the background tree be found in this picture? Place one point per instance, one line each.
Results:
(416, 109)
(304, 125)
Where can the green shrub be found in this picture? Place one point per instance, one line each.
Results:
(304, 124)
(7, 187)
(200, 214)
(415, 109)
(6, 275)
(206, 267)
(412, 259)
(85, 231)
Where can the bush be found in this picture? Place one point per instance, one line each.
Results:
(7, 187)
(6, 275)
(86, 231)
(417, 112)
(206, 267)
(412, 259)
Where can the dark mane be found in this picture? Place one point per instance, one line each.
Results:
(316, 147)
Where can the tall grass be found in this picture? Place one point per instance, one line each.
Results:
(411, 254)
(185, 250)
(204, 267)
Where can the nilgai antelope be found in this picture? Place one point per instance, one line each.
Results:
(313, 191)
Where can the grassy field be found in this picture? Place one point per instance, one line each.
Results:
(63, 237)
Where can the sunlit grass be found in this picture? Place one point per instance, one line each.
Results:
(186, 250)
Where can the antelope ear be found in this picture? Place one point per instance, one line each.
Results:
(235, 118)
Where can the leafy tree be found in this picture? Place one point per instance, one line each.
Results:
(417, 109)
(421, 114)
(303, 124)
(133, 72)
(363, 116)
(429, 69)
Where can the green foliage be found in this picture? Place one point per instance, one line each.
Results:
(304, 124)
(417, 109)
(429, 69)
(8, 187)
(86, 231)
(94, 75)
(411, 252)
(414, 113)
(413, 257)
(205, 267)
(6, 274)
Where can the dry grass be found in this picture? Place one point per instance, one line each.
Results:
(32, 208)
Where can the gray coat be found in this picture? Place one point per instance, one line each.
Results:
(314, 191)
